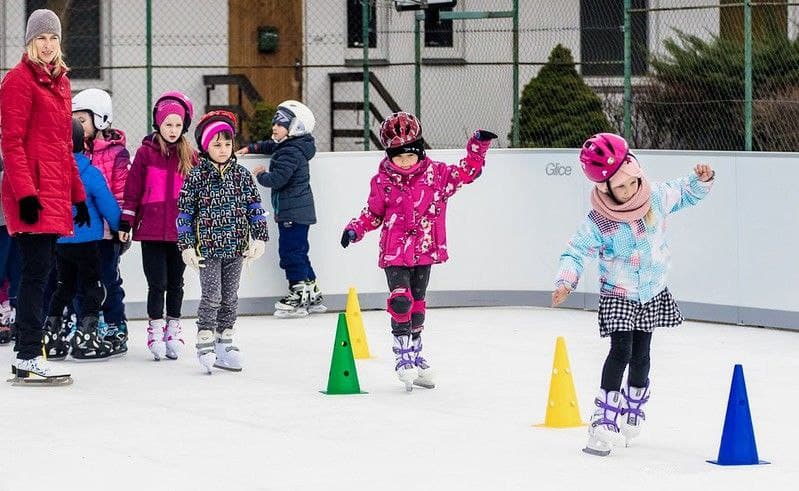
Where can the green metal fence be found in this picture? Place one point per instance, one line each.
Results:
(682, 74)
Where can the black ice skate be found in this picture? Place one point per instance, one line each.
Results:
(87, 344)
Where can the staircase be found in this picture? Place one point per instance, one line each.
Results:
(245, 88)
(359, 106)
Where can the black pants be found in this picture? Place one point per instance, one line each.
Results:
(414, 279)
(78, 270)
(38, 254)
(627, 348)
(163, 268)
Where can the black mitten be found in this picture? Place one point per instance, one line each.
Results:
(29, 208)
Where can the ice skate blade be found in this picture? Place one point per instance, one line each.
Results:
(291, 314)
(598, 453)
(424, 383)
(229, 369)
(36, 381)
(317, 309)
(171, 357)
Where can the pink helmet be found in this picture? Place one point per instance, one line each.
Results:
(181, 99)
(602, 155)
(400, 129)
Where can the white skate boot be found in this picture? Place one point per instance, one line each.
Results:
(603, 431)
(205, 348)
(38, 371)
(426, 373)
(314, 298)
(173, 339)
(406, 370)
(228, 356)
(155, 338)
(295, 304)
(634, 400)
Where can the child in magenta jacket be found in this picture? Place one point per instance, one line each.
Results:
(150, 211)
(408, 198)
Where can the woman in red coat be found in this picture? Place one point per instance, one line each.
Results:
(41, 179)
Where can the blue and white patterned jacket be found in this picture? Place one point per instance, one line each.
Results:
(634, 258)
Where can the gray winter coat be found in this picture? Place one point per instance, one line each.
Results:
(289, 177)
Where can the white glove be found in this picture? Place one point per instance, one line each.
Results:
(255, 251)
(191, 258)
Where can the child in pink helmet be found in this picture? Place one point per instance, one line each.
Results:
(408, 198)
(626, 230)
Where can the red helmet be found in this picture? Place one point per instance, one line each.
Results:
(226, 117)
(602, 155)
(400, 129)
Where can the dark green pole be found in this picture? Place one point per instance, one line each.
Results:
(149, 62)
(748, 75)
(628, 70)
(515, 136)
(417, 61)
(365, 37)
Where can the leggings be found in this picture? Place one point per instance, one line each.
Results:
(627, 348)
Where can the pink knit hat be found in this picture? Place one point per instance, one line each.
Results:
(630, 168)
(213, 129)
(167, 107)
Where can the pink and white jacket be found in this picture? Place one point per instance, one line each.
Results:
(412, 207)
(113, 160)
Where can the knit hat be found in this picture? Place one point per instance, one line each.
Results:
(283, 118)
(42, 21)
(167, 107)
(213, 129)
(415, 147)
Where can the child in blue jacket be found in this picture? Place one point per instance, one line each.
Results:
(78, 266)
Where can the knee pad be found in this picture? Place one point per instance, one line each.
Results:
(399, 305)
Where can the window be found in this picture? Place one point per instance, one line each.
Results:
(355, 24)
(80, 29)
(437, 32)
(602, 37)
(768, 19)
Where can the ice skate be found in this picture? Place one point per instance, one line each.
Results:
(7, 315)
(155, 338)
(38, 372)
(55, 338)
(603, 431)
(406, 370)
(314, 298)
(426, 373)
(634, 400)
(295, 304)
(87, 344)
(205, 349)
(117, 335)
(173, 338)
(228, 356)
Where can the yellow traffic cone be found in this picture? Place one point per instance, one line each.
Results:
(562, 410)
(360, 348)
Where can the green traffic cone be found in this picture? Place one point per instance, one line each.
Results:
(343, 377)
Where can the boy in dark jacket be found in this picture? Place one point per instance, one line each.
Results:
(291, 147)
(78, 265)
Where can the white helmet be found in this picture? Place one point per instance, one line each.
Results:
(97, 102)
(302, 119)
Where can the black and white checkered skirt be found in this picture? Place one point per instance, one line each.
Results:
(619, 314)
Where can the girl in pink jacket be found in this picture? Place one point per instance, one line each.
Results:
(408, 198)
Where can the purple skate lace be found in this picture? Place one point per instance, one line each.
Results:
(605, 421)
(636, 409)
(418, 359)
(404, 361)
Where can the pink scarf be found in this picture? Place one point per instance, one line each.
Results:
(634, 209)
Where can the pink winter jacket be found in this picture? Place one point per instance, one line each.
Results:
(412, 207)
(113, 160)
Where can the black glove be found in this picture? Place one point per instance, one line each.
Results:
(82, 215)
(483, 135)
(124, 227)
(29, 208)
(347, 237)
(123, 246)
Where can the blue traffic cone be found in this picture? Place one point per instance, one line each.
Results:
(738, 437)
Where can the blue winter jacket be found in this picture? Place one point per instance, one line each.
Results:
(100, 202)
(289, 177)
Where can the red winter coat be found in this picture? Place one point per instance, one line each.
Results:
(36, 128)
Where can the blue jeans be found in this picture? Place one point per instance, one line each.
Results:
(292, 247)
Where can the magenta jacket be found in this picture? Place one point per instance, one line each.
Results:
(412, 207)
(150, 205)
(113, 160)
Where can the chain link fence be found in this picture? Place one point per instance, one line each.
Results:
(685, 66)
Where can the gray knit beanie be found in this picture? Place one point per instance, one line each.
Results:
(40, 22)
